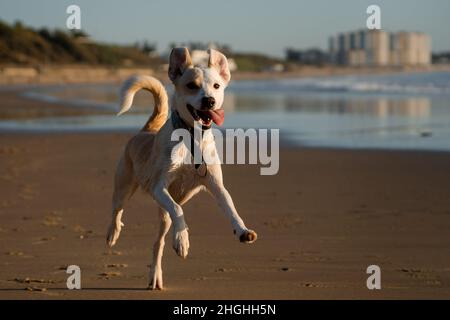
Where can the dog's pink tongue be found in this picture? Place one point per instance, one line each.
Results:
(217, 116)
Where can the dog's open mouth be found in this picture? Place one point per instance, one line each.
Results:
(206, 117)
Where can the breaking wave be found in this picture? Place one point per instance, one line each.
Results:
(435, 83)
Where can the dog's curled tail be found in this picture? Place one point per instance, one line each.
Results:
(161, 109)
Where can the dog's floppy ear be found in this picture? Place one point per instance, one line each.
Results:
(219, 61)
(180, 59)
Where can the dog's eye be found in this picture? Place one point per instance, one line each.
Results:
(192, 86)
(216, 86)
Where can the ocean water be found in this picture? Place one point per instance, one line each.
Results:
(399, 111)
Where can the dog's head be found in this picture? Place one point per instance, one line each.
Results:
(199, 90)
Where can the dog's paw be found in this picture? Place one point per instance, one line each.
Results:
(156, 279)
(248, 236)
(181, 242)
(114, 233)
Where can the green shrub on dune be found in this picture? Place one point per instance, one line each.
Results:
(26, 46)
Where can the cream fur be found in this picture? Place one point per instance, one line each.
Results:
(147, 161)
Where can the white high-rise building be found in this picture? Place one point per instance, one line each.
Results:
(380, 48)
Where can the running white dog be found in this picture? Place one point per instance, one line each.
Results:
(148, 159)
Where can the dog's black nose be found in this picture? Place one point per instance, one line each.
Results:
(208, 102)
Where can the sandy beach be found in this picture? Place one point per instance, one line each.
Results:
(321, 222)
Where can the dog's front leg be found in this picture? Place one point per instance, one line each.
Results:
(180, 231)
(215, 186)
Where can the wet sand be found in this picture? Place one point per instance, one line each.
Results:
(13, 105)
(321, 221)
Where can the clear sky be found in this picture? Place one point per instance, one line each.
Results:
(246, 25)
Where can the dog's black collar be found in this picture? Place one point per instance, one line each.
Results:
(179, 123)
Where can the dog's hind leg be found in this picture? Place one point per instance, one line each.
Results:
(156, 279)
(124, 187)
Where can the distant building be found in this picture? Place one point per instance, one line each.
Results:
(441, 58)
(276, 67)
(307, 57)
(380, 48)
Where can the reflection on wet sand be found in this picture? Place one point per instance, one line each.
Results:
(416, 107)
(315, 118)
(412, 107)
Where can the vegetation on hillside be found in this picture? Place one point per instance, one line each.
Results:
(24, 45)
(254, 62)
